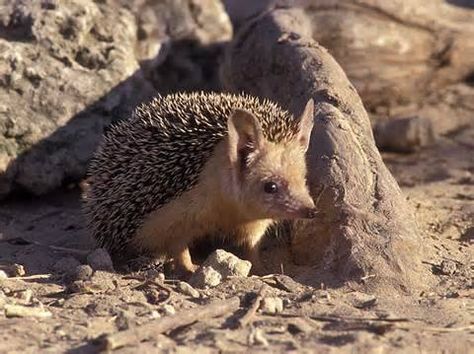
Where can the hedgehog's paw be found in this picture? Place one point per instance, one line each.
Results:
(184, 273)
(183, 267)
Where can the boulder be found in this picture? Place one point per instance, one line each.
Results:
(70, 68)
(365, 232)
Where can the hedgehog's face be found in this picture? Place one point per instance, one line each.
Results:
(273, 184)
(269, 178)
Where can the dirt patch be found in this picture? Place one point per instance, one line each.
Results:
(438, 183)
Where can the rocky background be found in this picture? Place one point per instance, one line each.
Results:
(69, 68)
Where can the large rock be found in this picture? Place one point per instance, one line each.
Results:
(401, 56)
(365, 226)
(65, 67)
(192, 33)
(394, 52)
(70, 68)
(399, 51)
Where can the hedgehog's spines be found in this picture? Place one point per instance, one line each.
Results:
(158, 154)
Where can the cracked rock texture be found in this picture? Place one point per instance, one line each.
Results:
(70, 68)
(410, 60)
(394, 52)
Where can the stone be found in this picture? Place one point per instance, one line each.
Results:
(99, 259)
(161, 277)
(25, 295)
(187, 289)
(99, 282)
(16, 270)
(448, 267)
(155, 274)
(66, 265)
(153, 315)
(64, 83)
(205, 277)
(257, 337)
(81, 272)
(68, 69)
(228, 264)
(271, 305)
(404, 134)
(122, 320)
(196, 33)
(168, 310)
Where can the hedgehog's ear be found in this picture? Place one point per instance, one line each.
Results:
(306, 122)
(244, 134)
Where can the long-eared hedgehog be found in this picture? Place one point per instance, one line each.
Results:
(189, 165)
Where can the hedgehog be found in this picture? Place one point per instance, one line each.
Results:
(188, 165)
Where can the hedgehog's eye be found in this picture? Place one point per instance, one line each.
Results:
(270, 187)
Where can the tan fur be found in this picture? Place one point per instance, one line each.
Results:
(206, 208)
(229, 198)
(199, 212)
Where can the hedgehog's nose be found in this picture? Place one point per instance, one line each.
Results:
(310, 213)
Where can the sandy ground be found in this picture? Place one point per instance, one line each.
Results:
(438, 182)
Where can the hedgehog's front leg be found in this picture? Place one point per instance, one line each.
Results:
(182, 262)
(250, 235)
(168, 231)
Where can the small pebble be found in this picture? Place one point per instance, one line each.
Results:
(80, 272)
(66, 265)
(59, 302)
(33, 74)
(448, 267)
(99, 259)
(100, 282)
(187, 289)
(83, 272)
(205, 277)
(361, 300)
(76, 287)
(17, 270)
(122, 321)
(271, 305)
(155, 296)
(257, 338)
(168, 309)
(3, 275)
(228, 264)
(161, 277)
(25, 295)
(155, 275)
(154, 315)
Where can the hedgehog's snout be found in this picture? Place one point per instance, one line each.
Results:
(307, 210)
